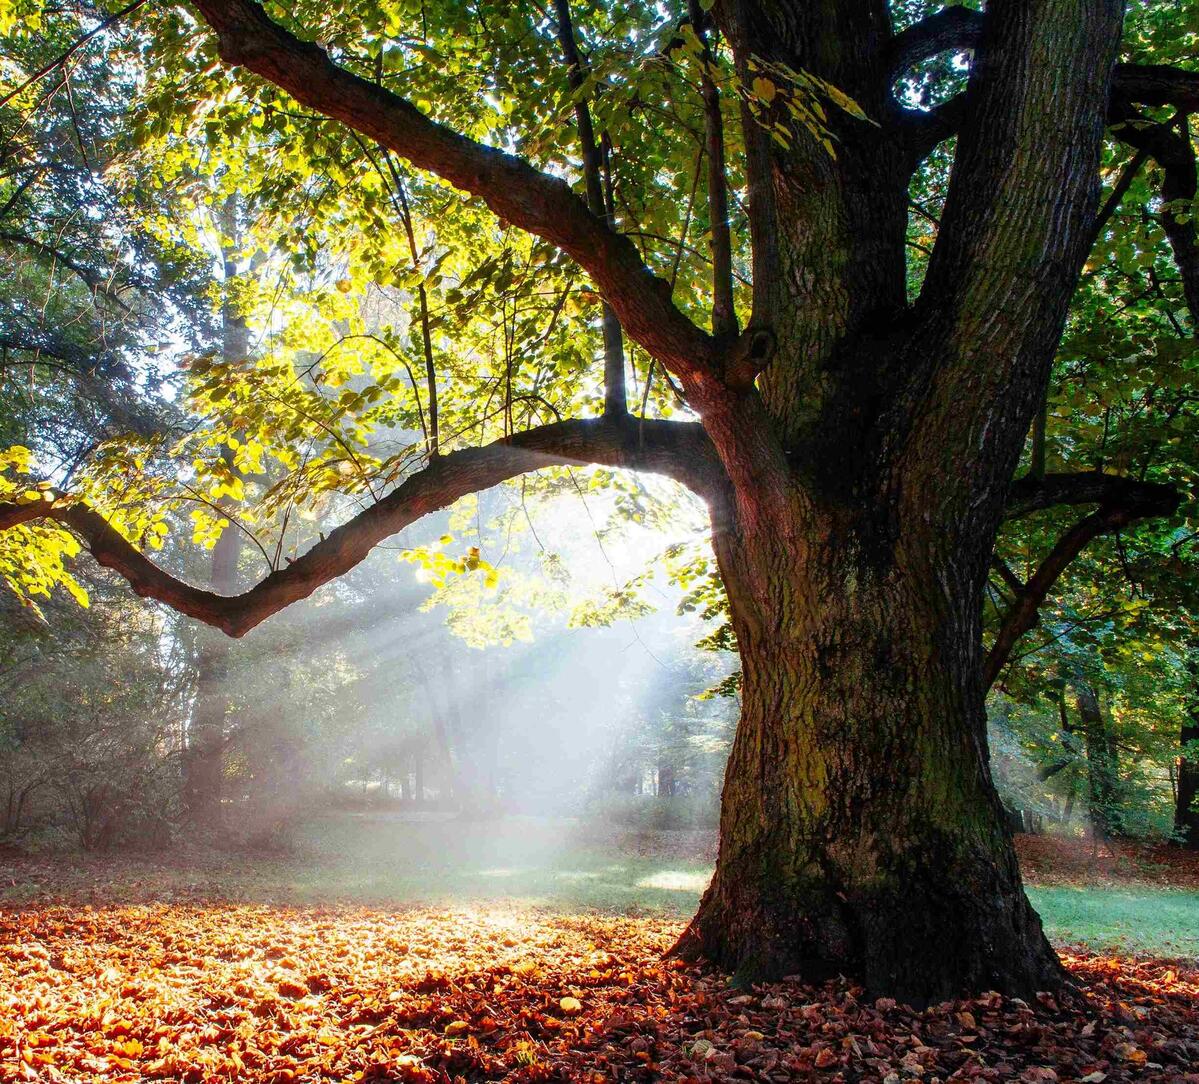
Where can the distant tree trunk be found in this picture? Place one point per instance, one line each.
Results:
(666, 778)
(1102, 764)
(204, 761)
(418, 773)
(1186, 810)
(449, 772)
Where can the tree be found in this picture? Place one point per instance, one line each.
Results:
(1186, 805)
(860, 417)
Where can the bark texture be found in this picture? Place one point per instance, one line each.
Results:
(860, 832)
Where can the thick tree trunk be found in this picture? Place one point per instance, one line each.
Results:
(860, 831)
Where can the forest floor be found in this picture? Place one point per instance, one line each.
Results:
(324, 964)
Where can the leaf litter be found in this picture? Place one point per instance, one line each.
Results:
(235, 992)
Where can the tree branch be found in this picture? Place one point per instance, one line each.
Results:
(1119, 190)
(759, 181)
(957, 28)
(1012, 239)
(952, 28)
(88, 277)
(511, 187)
(679, 450)
(1170, 146)
(615, 395)
(1121, 504)
(1030, 494)
(724, 318)
(1156, 84)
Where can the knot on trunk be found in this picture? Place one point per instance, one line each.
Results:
(750, 354)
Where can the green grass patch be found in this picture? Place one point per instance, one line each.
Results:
(1161, 922)
(385, 859)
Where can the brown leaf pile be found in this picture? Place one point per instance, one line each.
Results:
(254, 993)
(1053, 859)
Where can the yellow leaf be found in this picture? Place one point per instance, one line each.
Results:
(764, 89)
(570, 1005)
(76, 591)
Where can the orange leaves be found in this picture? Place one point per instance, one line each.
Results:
(206, 995)
(291, 988)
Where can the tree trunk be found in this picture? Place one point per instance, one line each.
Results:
(204, 762)
(1186, 810)
(666, 777)
(860, 830)
(418, 773)
(1102, 765)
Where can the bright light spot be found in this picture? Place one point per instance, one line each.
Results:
(674, 880)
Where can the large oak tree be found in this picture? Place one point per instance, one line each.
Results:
(856, 442)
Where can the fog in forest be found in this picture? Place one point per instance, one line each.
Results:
(556, 695)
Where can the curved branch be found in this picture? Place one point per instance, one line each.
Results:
(1122, 505)
(954, 27)
(679, 450)
(511, 187)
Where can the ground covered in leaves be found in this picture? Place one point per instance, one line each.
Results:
(193, 991)
(1058, 860)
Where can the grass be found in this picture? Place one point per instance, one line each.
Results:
(384, 858)
(391, 859)
(1160, 922)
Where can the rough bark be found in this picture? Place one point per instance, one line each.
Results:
(860, 830)
(861, 833)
